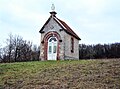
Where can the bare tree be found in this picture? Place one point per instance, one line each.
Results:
(4, 55)
(35, 52)
(9, 47)
(26, 51)
(17, 42)
(22, 49)
(17, 49)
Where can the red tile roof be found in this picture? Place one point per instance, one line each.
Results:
(68, 29)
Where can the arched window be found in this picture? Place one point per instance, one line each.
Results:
(72, 45)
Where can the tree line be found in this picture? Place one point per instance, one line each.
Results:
(17, 49)
(99, 51)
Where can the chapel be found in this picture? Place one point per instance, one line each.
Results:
(58, 40)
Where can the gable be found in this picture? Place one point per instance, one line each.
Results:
(61, 24)
(50, 25)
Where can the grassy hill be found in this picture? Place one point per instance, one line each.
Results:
(83, 74)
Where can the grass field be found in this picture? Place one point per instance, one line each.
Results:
(83, 74)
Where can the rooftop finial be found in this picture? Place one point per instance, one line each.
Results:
(53, 13)
(53, 7)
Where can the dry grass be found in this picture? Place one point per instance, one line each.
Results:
(83, 74)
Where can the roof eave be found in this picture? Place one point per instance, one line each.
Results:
(41, 30)
(73, 35)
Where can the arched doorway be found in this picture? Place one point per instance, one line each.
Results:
(52, 48)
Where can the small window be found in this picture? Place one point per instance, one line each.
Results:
(54, 49)
(72, 45)
(50, 49)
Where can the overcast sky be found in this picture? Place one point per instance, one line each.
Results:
(95, 21)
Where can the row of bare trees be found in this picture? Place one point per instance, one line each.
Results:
(17, 49)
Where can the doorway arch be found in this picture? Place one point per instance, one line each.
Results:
(52, 48)
(45, 42)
